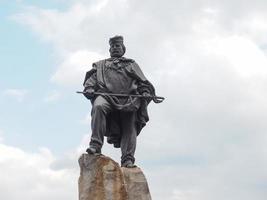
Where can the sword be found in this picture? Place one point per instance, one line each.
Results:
(156, 99)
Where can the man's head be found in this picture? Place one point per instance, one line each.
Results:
(117, 48)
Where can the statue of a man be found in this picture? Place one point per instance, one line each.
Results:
(119, 118)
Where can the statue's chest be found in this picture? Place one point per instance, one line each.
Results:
(116, 77)
(114, 67)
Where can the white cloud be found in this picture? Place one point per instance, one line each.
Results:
(18, 94)
(243, 55)
(53, 96)
(183, 195)
(87, 119)
(30, 175)
(1, 136)
(73, 69)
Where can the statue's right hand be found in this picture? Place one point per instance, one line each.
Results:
(89, 93)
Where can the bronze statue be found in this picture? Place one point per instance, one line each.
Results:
(119, 93)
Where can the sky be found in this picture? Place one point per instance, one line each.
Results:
(208, 58)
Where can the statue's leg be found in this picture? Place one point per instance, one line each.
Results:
(101, 108)
(128, 138)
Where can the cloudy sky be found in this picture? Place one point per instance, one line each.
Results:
(207, 57)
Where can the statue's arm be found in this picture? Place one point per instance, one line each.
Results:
(144, 87)
(90, 83)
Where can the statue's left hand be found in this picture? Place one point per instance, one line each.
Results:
(89, 93)
(147, 95)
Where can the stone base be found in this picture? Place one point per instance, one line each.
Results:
(101, 178)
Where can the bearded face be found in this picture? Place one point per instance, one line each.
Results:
(116, 50)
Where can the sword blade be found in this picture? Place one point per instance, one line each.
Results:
(125, 95)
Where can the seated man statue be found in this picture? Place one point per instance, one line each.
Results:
(120, 118)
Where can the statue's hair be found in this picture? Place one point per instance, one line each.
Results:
(123, 47)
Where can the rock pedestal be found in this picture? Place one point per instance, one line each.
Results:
(101, 178)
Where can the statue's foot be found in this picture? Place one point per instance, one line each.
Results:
(117, 145)
(128, 164)
(93, 151)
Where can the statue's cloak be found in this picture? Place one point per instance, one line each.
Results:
(95, 78)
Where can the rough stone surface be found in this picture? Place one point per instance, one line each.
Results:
(136, 184)
(101, 178)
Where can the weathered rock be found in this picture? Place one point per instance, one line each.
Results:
(136, 184)
(101, 178)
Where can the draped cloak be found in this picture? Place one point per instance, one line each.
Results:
(100, 80)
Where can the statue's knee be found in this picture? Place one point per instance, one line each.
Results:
(99, 108)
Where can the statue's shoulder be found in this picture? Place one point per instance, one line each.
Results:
(99, 63)
(128, 60)
(132, 64)
(95, 66)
